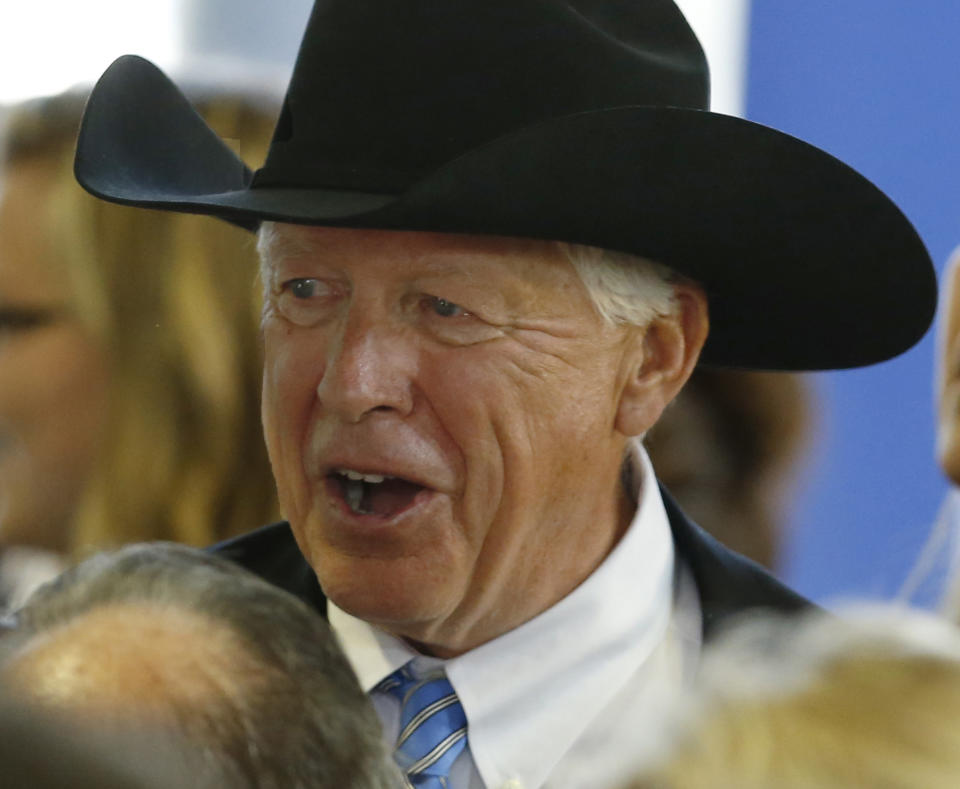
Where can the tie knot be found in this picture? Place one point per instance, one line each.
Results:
(433, 726)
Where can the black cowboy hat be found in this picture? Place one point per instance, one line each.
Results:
(577, 120)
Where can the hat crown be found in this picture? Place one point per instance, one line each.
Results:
(385, 91)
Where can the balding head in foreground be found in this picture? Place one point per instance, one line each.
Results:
(245, 678)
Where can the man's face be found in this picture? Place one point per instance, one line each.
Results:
(440, 414)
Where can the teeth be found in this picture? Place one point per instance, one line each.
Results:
(358, 477)
(353, 493)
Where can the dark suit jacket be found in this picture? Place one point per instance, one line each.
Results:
(728, 583)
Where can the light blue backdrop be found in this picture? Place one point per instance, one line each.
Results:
(876, 83)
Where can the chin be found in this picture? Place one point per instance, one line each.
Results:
(386, 592)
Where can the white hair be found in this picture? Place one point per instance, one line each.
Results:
(624, 288)
(272, 245)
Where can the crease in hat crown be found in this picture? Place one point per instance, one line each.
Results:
(412, 85)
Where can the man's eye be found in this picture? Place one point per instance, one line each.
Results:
(444, 308)
(303, 288)
(452, 324)
(305, 300)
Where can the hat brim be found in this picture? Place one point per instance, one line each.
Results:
(807, 265)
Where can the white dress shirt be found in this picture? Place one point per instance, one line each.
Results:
(564, 700)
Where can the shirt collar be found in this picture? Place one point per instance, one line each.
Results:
(520, 689)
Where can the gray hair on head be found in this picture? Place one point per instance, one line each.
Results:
(273, 245)
(298, 719)
(625, 289)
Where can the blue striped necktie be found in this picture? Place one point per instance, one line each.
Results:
(433, 727)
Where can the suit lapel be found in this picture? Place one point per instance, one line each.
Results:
(727, 583)
(272, 553)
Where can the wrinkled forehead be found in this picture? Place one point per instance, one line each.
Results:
(280, 242)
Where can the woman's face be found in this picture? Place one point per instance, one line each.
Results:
(53, 379)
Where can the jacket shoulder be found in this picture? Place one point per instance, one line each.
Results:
(272, 553)
(728, 584)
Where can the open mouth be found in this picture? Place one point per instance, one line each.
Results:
(373, 494)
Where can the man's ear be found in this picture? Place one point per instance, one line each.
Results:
(662, 360)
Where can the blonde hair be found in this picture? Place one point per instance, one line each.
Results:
(174, 301)
(865, 701)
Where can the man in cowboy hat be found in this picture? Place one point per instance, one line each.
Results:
(497, 236)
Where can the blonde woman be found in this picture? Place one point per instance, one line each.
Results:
(129, 356)
(871, 699)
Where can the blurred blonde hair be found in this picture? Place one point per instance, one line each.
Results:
(870, 701)
(175, 302)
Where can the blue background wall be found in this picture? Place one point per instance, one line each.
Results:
(876, 83)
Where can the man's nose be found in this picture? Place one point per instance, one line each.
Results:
(368, 369)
